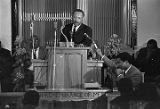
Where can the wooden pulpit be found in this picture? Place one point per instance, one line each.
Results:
(68, 68)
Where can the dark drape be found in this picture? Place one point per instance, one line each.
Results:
(105, 17)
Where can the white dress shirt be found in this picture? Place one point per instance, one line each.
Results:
(76, 27)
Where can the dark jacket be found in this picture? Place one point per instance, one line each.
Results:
(42, 54)
(135, 75)
(151, 64)
(6, 62)
(79, 37)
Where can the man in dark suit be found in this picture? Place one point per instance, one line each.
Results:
(129, 71)
(77, 32)
(34, 49)
(123, 67)
(125, 87)
(148, 60)
(6, 62)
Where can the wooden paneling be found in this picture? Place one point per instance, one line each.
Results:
(93, 73)
(70, 67)
(70, 72)
(40, 71)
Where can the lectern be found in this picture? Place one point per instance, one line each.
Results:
(70, 67)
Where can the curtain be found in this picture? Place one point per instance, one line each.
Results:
(45, 15)
(107, 17)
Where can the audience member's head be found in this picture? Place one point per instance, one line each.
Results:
(125, 57)
(124, 60)
(152, 44)
(125, 86)
(35, 39)
(31, 97)
(27, 63)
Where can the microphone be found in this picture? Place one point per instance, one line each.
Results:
(31, 26)
(31, 29)
(95, 45)
(71, 33)
(55, 25)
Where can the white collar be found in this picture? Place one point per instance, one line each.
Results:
(75, 27)
(128, 69)
(36, 49)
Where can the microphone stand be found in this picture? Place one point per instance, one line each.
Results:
(95, 45)
(54, 58)
(91, 50)
(31, 34)
(71, 43)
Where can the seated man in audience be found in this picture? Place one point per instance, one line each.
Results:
(38, 52)
(6, 63)
(31, 99)
(123, 67)
(125, 87)
(147, 96)
(35, 50)
(148, 60)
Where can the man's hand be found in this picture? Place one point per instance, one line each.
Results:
(80, 45)
(99, 52)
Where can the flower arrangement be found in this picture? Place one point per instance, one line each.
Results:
(112, 48)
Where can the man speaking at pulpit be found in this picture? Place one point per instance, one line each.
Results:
(77, 32)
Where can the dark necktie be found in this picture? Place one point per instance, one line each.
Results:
(73, 35)
(34, 54)
(74, 30)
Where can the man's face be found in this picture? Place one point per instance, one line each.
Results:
(120, 64)
(77, 18)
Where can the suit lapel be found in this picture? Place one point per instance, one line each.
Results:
(79, 29)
